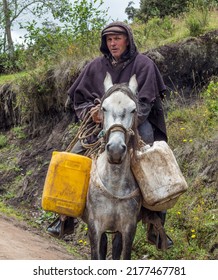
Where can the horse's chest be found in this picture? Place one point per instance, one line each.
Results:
(106, 205)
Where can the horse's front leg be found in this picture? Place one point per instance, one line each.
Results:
(98, 242)
(127, 240)
(117, 246)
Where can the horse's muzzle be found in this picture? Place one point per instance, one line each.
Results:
(116, 150)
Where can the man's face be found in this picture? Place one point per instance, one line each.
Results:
(117, 44)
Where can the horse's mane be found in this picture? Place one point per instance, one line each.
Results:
(123, 87)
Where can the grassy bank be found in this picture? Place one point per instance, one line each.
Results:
(192, 222)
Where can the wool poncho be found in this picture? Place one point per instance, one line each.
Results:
(89, 86)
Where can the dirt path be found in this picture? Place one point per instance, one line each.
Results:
(19, 242)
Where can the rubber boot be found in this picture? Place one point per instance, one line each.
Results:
(62, 226)
(154, 233)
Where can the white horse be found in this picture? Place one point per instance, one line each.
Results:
(114, 199)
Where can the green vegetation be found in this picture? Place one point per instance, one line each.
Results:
(3, 141)
(161, 31)
(153, 8)
(9, 211)
(18, 132)
(73, 27)
(78, 38)
(9, 78)
(192, 222)
(197, 121)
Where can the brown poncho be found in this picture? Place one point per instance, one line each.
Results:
(89, 85)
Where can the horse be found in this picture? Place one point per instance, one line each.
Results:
(114, 198)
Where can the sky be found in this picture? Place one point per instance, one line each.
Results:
(117, 8)
(116, 11)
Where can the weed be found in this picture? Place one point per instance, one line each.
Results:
(157, 32)
(18, 132)
(3, 141)
(45, 216)
(210, 95)
(12, 77)
(9, 211)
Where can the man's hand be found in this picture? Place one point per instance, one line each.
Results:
(96, 114)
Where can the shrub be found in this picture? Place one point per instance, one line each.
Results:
(153, 8)
(3, 141)
(197, 18)
(210, 96)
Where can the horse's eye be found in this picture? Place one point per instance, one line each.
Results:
(133, 111)
(103, 109)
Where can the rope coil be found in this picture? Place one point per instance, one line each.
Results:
(87, 129)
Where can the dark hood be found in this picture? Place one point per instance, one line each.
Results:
(132, 50)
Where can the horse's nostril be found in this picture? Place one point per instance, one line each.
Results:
(108, 147)
(123, 147)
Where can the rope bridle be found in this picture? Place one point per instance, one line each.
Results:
(119, 127)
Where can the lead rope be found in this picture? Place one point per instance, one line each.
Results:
(86, 130)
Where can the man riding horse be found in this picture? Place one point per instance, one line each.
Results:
(122, 60)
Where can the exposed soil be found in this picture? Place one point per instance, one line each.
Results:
(20, 242)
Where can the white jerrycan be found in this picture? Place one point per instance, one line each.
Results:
(159, 176)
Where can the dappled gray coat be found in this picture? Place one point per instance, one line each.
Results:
(89, 85)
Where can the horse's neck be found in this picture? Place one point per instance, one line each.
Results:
(117, 178)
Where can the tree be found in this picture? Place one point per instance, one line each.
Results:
(7, 24)
(80, 19)
(87, 18)
(80, 28)
(152, 8)
(131, 11)
(10, 11)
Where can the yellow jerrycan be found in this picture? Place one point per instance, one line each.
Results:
(66, 184)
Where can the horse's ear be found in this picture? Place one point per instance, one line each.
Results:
(133, 85)
(107, 82)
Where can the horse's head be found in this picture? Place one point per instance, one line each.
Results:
(119, 109)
